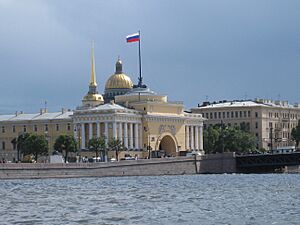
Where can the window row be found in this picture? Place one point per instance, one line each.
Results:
(35, 128)
(283, 115)
(243, 125)
(282, 125)
(231, 114)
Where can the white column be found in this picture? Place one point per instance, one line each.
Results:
(90, 131)
(82, 136)
(187, 137)
(201, 137)
(115, 130)
(192, 138)
(106, 132)
(136, 136)
(120, 132)
(98, 129)
(76, 131)
(140, 136)
(126, 135)
(130, 135)
(196, 138)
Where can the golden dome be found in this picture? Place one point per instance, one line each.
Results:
(93, 97)
(119, 81)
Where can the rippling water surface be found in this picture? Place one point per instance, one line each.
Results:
(196, 199)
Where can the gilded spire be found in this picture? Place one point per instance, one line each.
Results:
(93, 71)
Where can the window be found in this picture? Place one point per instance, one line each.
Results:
(232, 114)
(14, 129)
(256, 114)
(3, 145)
(236, 114)
(35, 128)
(206, 116)
(256, 125)
(57, 127)
(215, 114)
(211, 115)
(3, 129)
(24, 128)
(14, 144)
(245, 113)
(228, 114)
(249, 114)
(223, 114)
(241, 114)
(69, 126)
(46, 127)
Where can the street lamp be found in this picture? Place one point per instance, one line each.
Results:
(147, 130)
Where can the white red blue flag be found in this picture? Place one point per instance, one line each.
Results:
(133, 37)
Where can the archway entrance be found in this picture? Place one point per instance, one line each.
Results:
(168, 146)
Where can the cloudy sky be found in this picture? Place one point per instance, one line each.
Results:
(192, 50)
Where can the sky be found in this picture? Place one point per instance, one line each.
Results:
(192, 51)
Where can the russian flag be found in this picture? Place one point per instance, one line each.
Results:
(133, 37)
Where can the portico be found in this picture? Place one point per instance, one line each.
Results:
(110, 121)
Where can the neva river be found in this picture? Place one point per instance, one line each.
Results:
(196, 199)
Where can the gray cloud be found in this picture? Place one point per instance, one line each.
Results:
(222, 49)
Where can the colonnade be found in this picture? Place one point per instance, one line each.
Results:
(128, 133)
(194, 137)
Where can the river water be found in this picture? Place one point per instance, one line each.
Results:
(195, 199)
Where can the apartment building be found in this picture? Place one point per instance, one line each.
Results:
(270, 121)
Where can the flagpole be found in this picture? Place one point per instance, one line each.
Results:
(140, 62)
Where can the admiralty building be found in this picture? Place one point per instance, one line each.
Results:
(139, 117)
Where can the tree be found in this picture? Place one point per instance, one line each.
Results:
(296, 134)
(239, 141)
(116, 145)
(210, 139)
(19, 142)
(65, 144)
(35, 145)
(98, 144)
(229, 139)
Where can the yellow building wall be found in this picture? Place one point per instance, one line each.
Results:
(155, 135)
(51, 135)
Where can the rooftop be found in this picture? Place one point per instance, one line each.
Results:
(248, 103)
(37, 116)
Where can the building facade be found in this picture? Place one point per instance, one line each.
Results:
(270, 121)
(43, 123)
(140, 118)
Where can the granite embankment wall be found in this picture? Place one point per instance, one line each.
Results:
(219, 163)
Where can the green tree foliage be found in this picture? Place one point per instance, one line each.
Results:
(97, 144)
(35, 145)
(296, 134)
(19, 142)
(115, 145)
(232, 139)
(65, 144)
(210, 139)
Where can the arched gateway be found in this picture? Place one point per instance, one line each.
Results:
(167, 145)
